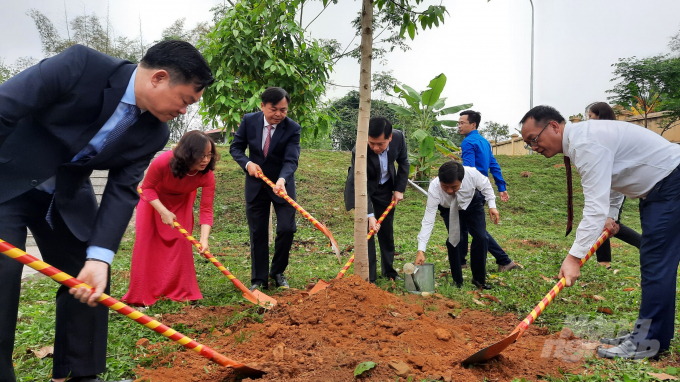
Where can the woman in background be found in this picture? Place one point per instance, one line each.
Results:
(162, 259)
(601, 110)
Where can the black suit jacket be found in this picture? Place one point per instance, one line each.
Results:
(51, 111)
(398, 177)
(281, 161)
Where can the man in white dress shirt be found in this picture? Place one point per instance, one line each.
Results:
(454, 193)
(623, 157)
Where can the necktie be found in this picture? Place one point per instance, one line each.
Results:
(131, 114)
(267, 140)
(129, 117)
(454, 224)
(570, 196)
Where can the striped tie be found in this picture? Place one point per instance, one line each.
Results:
(129, 117)
(265, 149)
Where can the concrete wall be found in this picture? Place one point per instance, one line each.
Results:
(514, 147)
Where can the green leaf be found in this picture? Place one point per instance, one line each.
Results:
(448, 123)
(235, 32)
(267, 64)
(439, 104)
(455, 109)
(411, 92)
(362, 367)
(431, 96)
(420, 134)
(427, 146)
(411, 30)
(400, 110)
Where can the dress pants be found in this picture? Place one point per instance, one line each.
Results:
(659, 258)
(380, 199)
(257, 212)
(81, 331)
(473, 221)
(625, 234)
(496, 251)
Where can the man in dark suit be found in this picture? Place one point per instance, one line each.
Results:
(73, 113)
(385, 183)
(273, 141)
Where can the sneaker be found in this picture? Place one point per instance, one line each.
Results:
(507, 267)
(629, 350)
(615, 341)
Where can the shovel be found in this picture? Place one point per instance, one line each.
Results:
(256, 297)
(112, 303)
(321, 284)
(495, 349)
(306, 214)
(370, 233)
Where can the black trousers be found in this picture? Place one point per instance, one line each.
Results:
(495, 250)
(81, 331)
(625, 234)
(257, 212)
(380, 199)
(472, 221)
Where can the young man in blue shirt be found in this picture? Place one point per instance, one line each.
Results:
(476, 152)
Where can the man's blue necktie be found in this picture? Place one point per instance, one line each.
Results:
(131, 114)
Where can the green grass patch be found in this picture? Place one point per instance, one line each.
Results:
(531, 230)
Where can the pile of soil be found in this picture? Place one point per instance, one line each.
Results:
(323, 337)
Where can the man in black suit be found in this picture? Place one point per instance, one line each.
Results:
(385, 183)
(273, 141)
(73, 113)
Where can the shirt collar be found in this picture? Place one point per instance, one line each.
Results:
(129, 96)
(267, 124)
(473, 132)
(565, 139)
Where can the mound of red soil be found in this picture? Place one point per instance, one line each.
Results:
(325, 336)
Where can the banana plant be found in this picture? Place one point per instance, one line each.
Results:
(424, 110)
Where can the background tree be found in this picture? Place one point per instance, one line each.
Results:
(638, 87)
(256, 44)
(494, 131)
(344, 128)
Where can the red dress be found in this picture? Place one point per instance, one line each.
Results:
(162, 259)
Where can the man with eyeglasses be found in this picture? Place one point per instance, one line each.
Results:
(623, 157)
(476, 152)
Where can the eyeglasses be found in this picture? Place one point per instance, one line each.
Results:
(208, 156)
(534, 142)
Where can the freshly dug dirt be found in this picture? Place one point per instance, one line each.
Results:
(325, 336)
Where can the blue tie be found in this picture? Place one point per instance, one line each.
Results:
(131, 114)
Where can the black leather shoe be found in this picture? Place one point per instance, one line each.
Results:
(257, 285)
(397, 278)
(280, 280)
(480, 285)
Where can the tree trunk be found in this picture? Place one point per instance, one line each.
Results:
(360, 192)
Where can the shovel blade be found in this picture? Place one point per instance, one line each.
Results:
(261, 299)
(248, 371)
(493, 350)
(320, 285)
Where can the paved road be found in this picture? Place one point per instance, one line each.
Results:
(28, 271)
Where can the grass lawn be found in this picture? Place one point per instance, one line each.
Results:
(531, 230)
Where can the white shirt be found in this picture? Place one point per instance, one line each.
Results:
(473, 181)
(613, 156)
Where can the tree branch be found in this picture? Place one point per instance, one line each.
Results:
(317, 16)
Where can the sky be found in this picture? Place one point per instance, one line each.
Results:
(483, 48)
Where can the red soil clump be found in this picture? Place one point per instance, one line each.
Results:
(325, 336)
